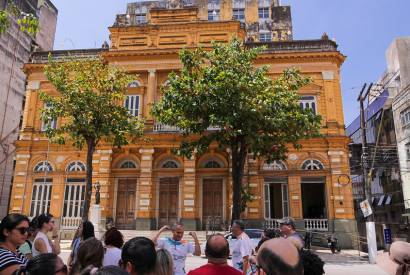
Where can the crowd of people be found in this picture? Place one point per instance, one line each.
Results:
(32, 247)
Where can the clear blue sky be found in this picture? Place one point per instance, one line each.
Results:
(362, 28)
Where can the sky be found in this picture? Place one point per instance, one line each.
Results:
(363, 29)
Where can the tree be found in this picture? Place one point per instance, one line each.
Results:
(254, 113)
(90, 103)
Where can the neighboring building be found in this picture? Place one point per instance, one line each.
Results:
(265, 20)
(15, 50)
(144, 186)
(398, 69)
(382, 159)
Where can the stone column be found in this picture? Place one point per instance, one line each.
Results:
(145, 192)
(190, 203)
(151, 92)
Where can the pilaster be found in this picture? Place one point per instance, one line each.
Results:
(151, 92)
(190, 204)
(145, 188)
(295, 197)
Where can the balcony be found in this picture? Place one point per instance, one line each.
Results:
(316, 225)
(310, 224)
(70, 222)
(163, 128)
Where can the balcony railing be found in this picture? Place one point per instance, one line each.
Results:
(310, 224)
(272, 223)
(163, 128)
(70, 222)
(316, 224)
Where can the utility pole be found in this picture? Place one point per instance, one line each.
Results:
(370, 226)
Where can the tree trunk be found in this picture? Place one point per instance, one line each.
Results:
(238, 163)
(89, 185)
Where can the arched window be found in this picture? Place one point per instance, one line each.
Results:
(212, 164)
(75, 166)
(170, 164)
(312, 164)
(128, 164)
(276, 165)
(43, 166)
(134, 84)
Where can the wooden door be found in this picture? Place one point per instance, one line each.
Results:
(212, 200)
(168, 201)
(125, 214)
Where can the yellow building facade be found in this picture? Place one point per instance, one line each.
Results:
(145, 186)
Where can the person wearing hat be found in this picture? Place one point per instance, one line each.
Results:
(288, 230)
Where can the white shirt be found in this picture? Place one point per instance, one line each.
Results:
(41, 236)
(241, 248)
(112, 256)
(179, 250)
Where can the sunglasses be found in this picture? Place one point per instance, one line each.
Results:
(64, 269)
(22, 230)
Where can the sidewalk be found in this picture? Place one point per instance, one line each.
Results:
(347, 262)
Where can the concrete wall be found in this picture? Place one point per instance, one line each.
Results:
(15, 49)
(398, 62)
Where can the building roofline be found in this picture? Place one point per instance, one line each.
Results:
(42, 56)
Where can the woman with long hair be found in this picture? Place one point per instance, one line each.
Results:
(84, 231)
(42, 243)
(44, 264)
(13, 233)
(90, 256)
(164, 264)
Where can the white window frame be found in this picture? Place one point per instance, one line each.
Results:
(312, 165)
(74, 197)
(41, 196)
(265, 37)
(134, 108)
(264, 11)
(76, 166)
(213, 15)
(52, 123)
(276, 165)
(43, 166)
(284, 195)
(238, 14)
(405, 117)
(308, 102)
(141, 18)
(267, 200)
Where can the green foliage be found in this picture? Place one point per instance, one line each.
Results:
(222, 88)
(27, 22)
(89, 104)
(4, 21)
(90, 101)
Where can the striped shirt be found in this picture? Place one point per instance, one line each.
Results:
(8, 258)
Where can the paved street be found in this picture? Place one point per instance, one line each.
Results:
(345, 263)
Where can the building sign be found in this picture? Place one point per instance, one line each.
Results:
(366, 208)
(387, 236)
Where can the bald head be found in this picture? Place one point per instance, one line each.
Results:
(280, 256)
(217, 247)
